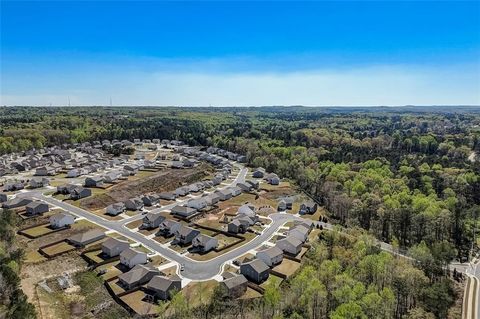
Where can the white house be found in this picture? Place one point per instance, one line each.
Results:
(61, 220)
(130, 257)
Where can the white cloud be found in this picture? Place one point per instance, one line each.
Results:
(373, 85)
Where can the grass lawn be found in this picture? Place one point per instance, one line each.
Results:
(272, 280)
(59, 248)
(287, 267)
(135, 301)
(115, 287)
(268, 187)
(198, 293)
(250, 294)
(95, 256)
(170, 271)
(39, 230)
(34, 256)
(134, 224)
(112, 271)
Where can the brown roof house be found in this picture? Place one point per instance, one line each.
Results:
(88, 237)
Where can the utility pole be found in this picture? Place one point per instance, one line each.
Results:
(69, 101)
(110, 101)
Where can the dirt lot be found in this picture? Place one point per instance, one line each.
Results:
(145, 182)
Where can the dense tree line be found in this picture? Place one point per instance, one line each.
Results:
(13, 302)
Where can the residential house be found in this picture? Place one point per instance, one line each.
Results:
(235, 286)
(85, 238)
(152, 220)
(259, 172)
(272, 179)
(309, 207)
(113, 247)
(300, 232)
(151, 200)
(13, 186)
(205, 243)
(236, 226)
(168, 228)
(80, 192)
(16, 202)
(183, 211)
(185, 235)
(197, 204)
(3, 197)
(224, 194)
(162, 287)
(134, 204)
(271, 256)
(290, 245)
(36, 208)
(60, 220)
(131, 257)
(115, 209)
(255, 270)
(94, 181)
(66, 189)
(182, 191)
(247, 209)
(45, 171)
(37, 182)
(137, 276)
(167, 196)
(112, 177)
(245, 187)
(236, 191)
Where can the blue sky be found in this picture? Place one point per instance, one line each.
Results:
(240, 53)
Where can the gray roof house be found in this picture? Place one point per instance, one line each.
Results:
(167, 196)
(259, 172)
(113, 247)
(134, 204)
(66, 188)
(182, 191)
(3, 197)
(86, 238)
(255, 270)
(16, 202)
(185, 235)
(300, 232)
(152, 220)
(309, 207)
(94, 181)
(168, 228)
(151, 200)
(224, 194)
(115, 209)
(183, 211)
(37, 207)
(80, 192)
(61, 220)
(204, 243)
(290, 245)
(162, 287)
(37, 182)
(271, 256)
(236, 226)
(137, 276)
(235, 286)
(131, 257)
(197, 203)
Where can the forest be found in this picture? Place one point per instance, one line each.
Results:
(407, 176)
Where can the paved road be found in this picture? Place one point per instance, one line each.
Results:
(471, 302)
